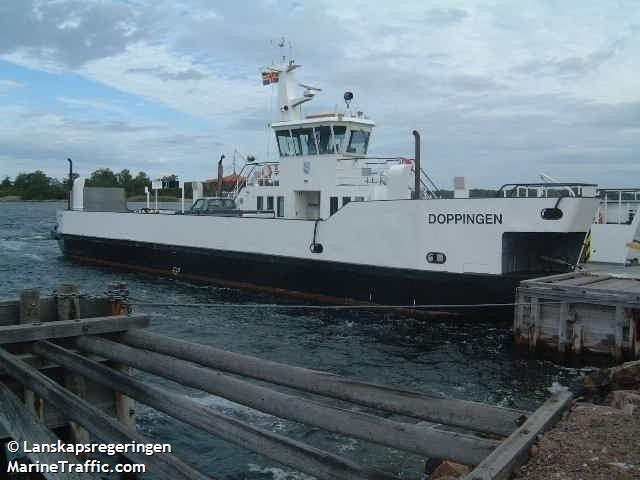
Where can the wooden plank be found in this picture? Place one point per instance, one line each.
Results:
(89, 307)
(466, 414)
(514, 451)
(71, 328)
(417, 439)
(25, 427)
(583, 280)
(621, 285)
(164, 466)
(9, 312)
(577, 294)
(552, 278)
(307, 459)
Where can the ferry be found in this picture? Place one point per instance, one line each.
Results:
(336, 224)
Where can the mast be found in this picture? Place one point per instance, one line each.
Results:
(288, 103)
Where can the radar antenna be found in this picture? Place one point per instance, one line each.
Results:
(348, 96)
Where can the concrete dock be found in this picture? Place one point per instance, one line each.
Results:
(595, 310)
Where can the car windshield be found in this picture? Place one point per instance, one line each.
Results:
(199, 205)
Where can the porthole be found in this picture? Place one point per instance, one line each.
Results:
(436, 257)
(551, 213)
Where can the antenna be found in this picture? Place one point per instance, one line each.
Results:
(281, 45)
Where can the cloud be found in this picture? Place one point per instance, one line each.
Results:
(66, 34)
(91, 103)
(164, 74)
(7, 85)
(445, 16)
(498, 90)
(42, 140)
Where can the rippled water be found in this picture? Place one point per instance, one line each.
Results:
(470, 360)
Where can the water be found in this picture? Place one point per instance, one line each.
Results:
(469, 360)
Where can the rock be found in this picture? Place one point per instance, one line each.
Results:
(534, 450)
(621, 377)
(449, 470)
(625, 400)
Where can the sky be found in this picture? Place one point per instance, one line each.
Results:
(500, 91)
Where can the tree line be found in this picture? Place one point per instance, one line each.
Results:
(38, 185)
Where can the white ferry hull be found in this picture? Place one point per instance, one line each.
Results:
(371, 251)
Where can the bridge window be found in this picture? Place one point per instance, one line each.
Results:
(345, 200)
(323, 139)
(339, 132)
(259, 203)
(269, 203)
(358, 142)
(304, 142)
(285, 143)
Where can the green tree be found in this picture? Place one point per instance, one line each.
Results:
(102, 177)
(125, 180)
(139, 182)
(6, 187)
(32, 186)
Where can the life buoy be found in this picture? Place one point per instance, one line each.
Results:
(266, 171)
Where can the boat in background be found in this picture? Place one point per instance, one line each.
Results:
(344, 226)
(615, 234)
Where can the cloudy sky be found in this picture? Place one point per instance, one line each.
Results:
(500, 91)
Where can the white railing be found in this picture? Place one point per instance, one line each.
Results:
(618, 205)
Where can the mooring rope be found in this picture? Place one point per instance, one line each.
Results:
(140, 303)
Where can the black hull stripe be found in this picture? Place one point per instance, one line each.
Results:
(322, 281)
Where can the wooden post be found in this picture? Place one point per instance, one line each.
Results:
(402, 436)
(307, 459)
(634, 329)
(577, 339)
(68, 303)
(619, 321)
(118, 295)
(30, 306)
(534, 329)
(462, 413)
(563, 319)
(30, 314)
(163, 465)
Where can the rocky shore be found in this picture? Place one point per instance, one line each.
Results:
(598, 438)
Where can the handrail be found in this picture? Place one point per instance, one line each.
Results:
(545, 187)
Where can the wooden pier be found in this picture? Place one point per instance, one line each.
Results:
(594, 311)
(67, 361)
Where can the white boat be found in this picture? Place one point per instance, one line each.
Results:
(345, 226)
(615, 234)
